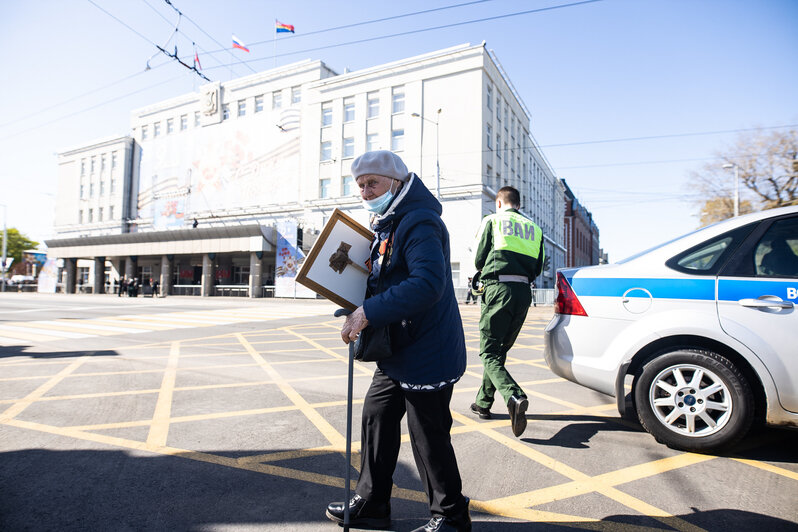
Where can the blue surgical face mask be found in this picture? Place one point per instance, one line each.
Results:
(379, 204)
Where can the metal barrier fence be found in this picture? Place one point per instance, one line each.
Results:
(540, 296)
(234, 290)
(186, 290)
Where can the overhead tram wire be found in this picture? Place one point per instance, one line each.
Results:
(423, 30)
(194, 69)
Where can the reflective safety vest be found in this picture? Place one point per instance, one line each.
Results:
(515, 232)
(509, 243)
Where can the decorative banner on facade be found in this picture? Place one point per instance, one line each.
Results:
(48, 276)
(288, 258)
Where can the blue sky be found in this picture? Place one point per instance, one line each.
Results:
(604, 70)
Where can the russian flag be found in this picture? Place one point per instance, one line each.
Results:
(237, 43)
(283, 28)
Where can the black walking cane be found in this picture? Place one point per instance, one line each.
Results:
(338, 313)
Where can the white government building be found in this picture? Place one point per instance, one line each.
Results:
(211, 186)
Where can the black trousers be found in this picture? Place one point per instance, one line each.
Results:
(429, 421)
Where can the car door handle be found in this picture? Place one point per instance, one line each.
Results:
(766, 302)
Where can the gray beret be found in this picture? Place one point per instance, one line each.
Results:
(380, 162)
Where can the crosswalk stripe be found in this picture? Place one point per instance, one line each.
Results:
(90, 324)
(30, 335)
(11, 341)
(30, 328)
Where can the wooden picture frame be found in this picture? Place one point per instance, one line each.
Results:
(336, 265)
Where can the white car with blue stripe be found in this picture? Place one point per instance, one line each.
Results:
(698, 336)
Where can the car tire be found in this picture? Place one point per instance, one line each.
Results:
(694, 400)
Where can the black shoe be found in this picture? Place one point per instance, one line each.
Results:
(483, 413)
(440, 523)
(362, 513)
(517, 406)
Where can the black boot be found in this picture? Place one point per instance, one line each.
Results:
(517, 406)
(362, 513)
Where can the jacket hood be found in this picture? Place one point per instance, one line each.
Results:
(414, 195)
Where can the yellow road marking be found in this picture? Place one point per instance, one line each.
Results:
(327, 430)
(159, 429)
(768, 467)
(24, 403)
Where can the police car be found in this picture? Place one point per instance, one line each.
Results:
(698, 336)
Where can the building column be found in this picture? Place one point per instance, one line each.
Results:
(99, 276)
(255, 274)
(71, 266)
(130, 267)
(166, 275)
(208, 261)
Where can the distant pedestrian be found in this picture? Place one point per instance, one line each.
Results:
(470, 297)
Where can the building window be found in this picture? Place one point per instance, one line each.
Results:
(326, 114)
(93, 165)
(82, 189)
(498, 146)
(242, 107)
(348, 147)
(259, 103)
(326, 151)
(296, 94)
(398, 100)
(324, 188)
(111, 212)
(91, 189)
(144, 133)
(490, 97)
(100, 214)
(113, 184)
(91, 215)
(197, 119)
(373, 105)
(372, 142)
(398, 140)
(82, 167)
(488, 173)
(277, 99)
(156, 129)
(489, 131)
(240, 274)
(102, 187)
(102, 164)
(506, 110)
(183, 122)
(225, 111)
(113, 161)
(498, 108)
(349, 109)
(348, 186)
(170, 126)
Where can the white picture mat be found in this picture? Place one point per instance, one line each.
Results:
(351, 283)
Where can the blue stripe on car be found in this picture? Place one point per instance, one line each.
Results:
(735, 289)
(659, 288)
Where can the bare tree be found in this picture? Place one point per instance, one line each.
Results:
(767, 166)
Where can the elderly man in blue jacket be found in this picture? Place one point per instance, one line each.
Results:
(410, 290)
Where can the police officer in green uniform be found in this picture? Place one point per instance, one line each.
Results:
(509, 257)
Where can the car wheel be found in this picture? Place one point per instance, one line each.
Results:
(694, 400)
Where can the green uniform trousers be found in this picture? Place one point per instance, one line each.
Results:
(504, 309)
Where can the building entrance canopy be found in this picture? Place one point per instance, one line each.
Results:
(253, 238)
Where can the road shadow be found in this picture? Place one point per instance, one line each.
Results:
(28, 351)
(580, 429)
(80, 490)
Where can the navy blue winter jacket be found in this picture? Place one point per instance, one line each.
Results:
(416, 294)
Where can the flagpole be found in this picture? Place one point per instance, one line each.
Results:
(274, 48)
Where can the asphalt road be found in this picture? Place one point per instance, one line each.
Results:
(229, 414)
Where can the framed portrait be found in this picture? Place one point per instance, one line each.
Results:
(336, 265)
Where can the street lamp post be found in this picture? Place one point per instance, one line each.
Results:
(5, 245)
(729, 166)
(437, 148)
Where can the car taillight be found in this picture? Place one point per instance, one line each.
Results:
(566, 301)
